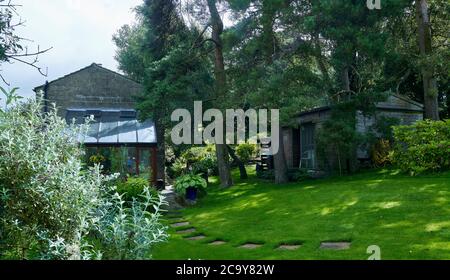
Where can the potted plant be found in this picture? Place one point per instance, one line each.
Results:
(189, 185)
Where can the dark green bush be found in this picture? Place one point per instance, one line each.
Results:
(198, 160)
(295, 175)
(423, 147)
(133, 188)
(246, 152)
(190, 181)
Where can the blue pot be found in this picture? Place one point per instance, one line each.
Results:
(191, 194)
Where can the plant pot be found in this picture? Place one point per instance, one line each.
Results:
(191, 194)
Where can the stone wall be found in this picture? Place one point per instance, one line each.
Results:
(92, 87)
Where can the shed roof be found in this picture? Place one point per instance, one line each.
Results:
(113, 127)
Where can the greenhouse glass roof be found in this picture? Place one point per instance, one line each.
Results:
(113, 127)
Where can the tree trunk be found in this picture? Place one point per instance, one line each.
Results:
(425, 44)
(269, 49)
(279, 160)
(238, 161)
(161, 153)
(346, 79)
(221, 83)
(224, 166)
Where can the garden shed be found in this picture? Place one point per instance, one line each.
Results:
(300, 141)
(117, 138)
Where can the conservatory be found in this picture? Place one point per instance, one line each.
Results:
(118, 141)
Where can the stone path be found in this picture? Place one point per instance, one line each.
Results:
(177, 222)
(335, 245)
(171, 198)
(217, 243)
(251, 246)
(187, 231)
(180, 224)
(289, 247)
(195, 238)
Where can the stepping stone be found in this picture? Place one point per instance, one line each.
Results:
(250, 246)
(289, 247)
(180, 224)
(173, 214)
(335, 245)
(195, 238)
(217, 243)
(186, 231)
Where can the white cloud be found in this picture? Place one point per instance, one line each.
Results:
(79, 31)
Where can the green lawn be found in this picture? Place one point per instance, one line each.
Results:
(408, 217)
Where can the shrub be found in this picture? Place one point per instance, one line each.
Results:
(133, 188)
(246, 152)
(190, 181)
(198, 160)
(52, 208)
(382, 153)
(423, 147)
(294, 175)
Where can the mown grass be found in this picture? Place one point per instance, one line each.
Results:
(407, 217)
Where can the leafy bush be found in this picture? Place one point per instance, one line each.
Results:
(382, 153)
(133, 188)
(97, 159)
(129, 233)
(246, 152)
(190, 181)
(198, 160)
(51, 208)
(423, 147)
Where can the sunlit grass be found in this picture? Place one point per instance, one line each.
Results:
(408, 217)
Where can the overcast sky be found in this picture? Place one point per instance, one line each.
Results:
(80, 32)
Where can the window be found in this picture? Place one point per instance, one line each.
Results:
(308, 149)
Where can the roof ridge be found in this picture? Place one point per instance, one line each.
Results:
(100, 66)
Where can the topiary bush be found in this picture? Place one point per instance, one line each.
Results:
(51, 207)
(423, 147)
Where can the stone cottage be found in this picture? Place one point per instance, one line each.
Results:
(300, 141)
(108, 97)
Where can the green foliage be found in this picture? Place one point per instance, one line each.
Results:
(133, 188)
(190, 181)
(130, 233)
(294, 175)
(119, 161)
(246, 152)
(51, 207)
(337, 138)
(198, 160)
(384, 126)
(382, 153)
(423, 147)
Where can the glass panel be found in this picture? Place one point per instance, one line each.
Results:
(127, 131)
(106, 153)
(89, 152)
(119, 158)
(146, 132)
(145, 163)
(131, 160)
(308, 151)
(92, 135)
(109, 133)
